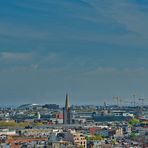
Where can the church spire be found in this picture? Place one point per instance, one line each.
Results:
(67, 111)
(67, 103)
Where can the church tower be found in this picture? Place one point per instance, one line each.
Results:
(67, 111)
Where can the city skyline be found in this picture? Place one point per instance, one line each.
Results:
(93, 50)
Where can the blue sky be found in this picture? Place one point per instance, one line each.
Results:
(92, 49)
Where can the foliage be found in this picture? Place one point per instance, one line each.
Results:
(113, 142)
(21, 124)
(37, 124)
(5, 124)
(134, 121)
(94, 137)
(133, 136)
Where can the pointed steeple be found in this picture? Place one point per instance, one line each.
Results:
(67, 111)
(67, 103)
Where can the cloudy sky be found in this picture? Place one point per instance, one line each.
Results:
(92, 49)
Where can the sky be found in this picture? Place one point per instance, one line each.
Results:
(91, 49)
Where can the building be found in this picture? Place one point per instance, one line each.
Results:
(77, 139)
(67, 111)
(7, 132)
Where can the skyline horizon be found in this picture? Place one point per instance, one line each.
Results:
(125, 101)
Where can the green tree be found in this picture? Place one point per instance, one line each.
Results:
(96, 137)
(133, 136)
(23, 124)
(134, 121)
(9, 123)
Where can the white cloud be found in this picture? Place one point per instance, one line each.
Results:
(15, 56)
(77, 22)
(125, 13)
(21, 31)
(53, 57)
(105, 69)
(141, 71)
(34, 66)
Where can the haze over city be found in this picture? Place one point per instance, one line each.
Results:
(91, 49)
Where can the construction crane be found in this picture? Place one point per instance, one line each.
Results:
(121, 101)
(142, 101)
(130, 103)
(134, 97)
(117, 98)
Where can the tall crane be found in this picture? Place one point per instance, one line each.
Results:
(142, 101)
(130, 103)
(120, 101)
(117, 98)
(134, 96)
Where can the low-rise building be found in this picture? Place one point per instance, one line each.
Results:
(7, 132)
(77, 139)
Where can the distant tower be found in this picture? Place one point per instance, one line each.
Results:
(38, 115)
(67, 111)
